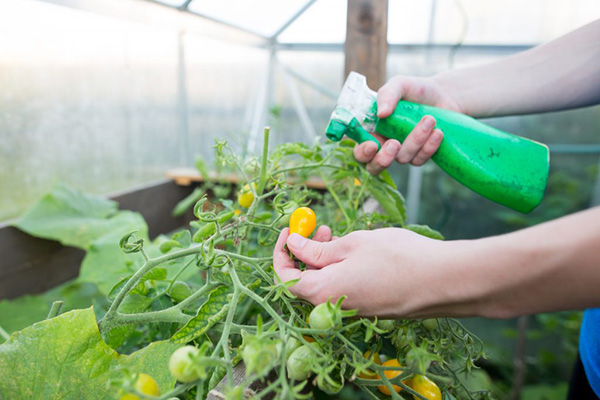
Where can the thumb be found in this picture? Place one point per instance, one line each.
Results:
(317, 254)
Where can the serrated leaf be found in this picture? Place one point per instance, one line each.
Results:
(387, 178)
(65, 358)
(390, 200)
(244, 273)
(211, 312)
(424, 230)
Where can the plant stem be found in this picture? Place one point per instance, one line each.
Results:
(314, 165)
(168, 289)
(197, 294)
(265, 160)
(337, 199)
(55, 309)
(4, 334)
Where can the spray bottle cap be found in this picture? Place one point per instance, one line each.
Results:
(354, 115)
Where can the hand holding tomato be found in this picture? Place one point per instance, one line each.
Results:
(387, 272)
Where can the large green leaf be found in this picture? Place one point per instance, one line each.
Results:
(75, 219)
(106, 265)
(211, 312)
(16, 314)
(65, 358)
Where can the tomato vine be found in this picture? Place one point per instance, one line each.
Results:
(243, 310)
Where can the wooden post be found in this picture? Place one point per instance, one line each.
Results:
(366, 40)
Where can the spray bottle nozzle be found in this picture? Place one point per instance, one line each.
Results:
(354, 114)
(343, 122)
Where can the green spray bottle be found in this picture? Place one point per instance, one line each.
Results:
(505, 168)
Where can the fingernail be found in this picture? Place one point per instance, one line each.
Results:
(370, 149)
(428, 123)
(383, 108)
(391, 147)
(296, 241)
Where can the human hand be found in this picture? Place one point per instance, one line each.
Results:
(389, 272)
(424, 140)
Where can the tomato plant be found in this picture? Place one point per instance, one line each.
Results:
(198, 305)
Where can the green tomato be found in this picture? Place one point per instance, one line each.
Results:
(181, 365)
(299, 363)
(180, 291)
(430, 324)
(259, 355)
(321, 317)
(290, 345)
(386, 325)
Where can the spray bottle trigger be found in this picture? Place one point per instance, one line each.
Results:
(356, 132)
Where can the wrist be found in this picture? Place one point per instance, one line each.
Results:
(450, 86)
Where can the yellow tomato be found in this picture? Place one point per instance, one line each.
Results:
(390, 374)
(144, 384)
(426, 388)
(303, 221)
(368, 374)
(246, 197)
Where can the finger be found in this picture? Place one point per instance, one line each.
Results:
(416, 139)
(318, 254)
(323, 234)
(388, 96)
(282, 264)
(429, 149)
(364, 152)
(385, 157)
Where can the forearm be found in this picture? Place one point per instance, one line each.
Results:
(550, 267)
(561, 74)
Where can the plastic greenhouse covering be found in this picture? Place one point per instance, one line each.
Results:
(109, 96)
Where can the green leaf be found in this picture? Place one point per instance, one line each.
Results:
(25, 310)
(424, 230)
(65, 358)
(211, 312)
(75, 219)
(183, 237)
(389, 199)
(188, 202)
(387, 178)
(201, 167)
(106, 265)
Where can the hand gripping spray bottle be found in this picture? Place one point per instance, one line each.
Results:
(505, 168)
